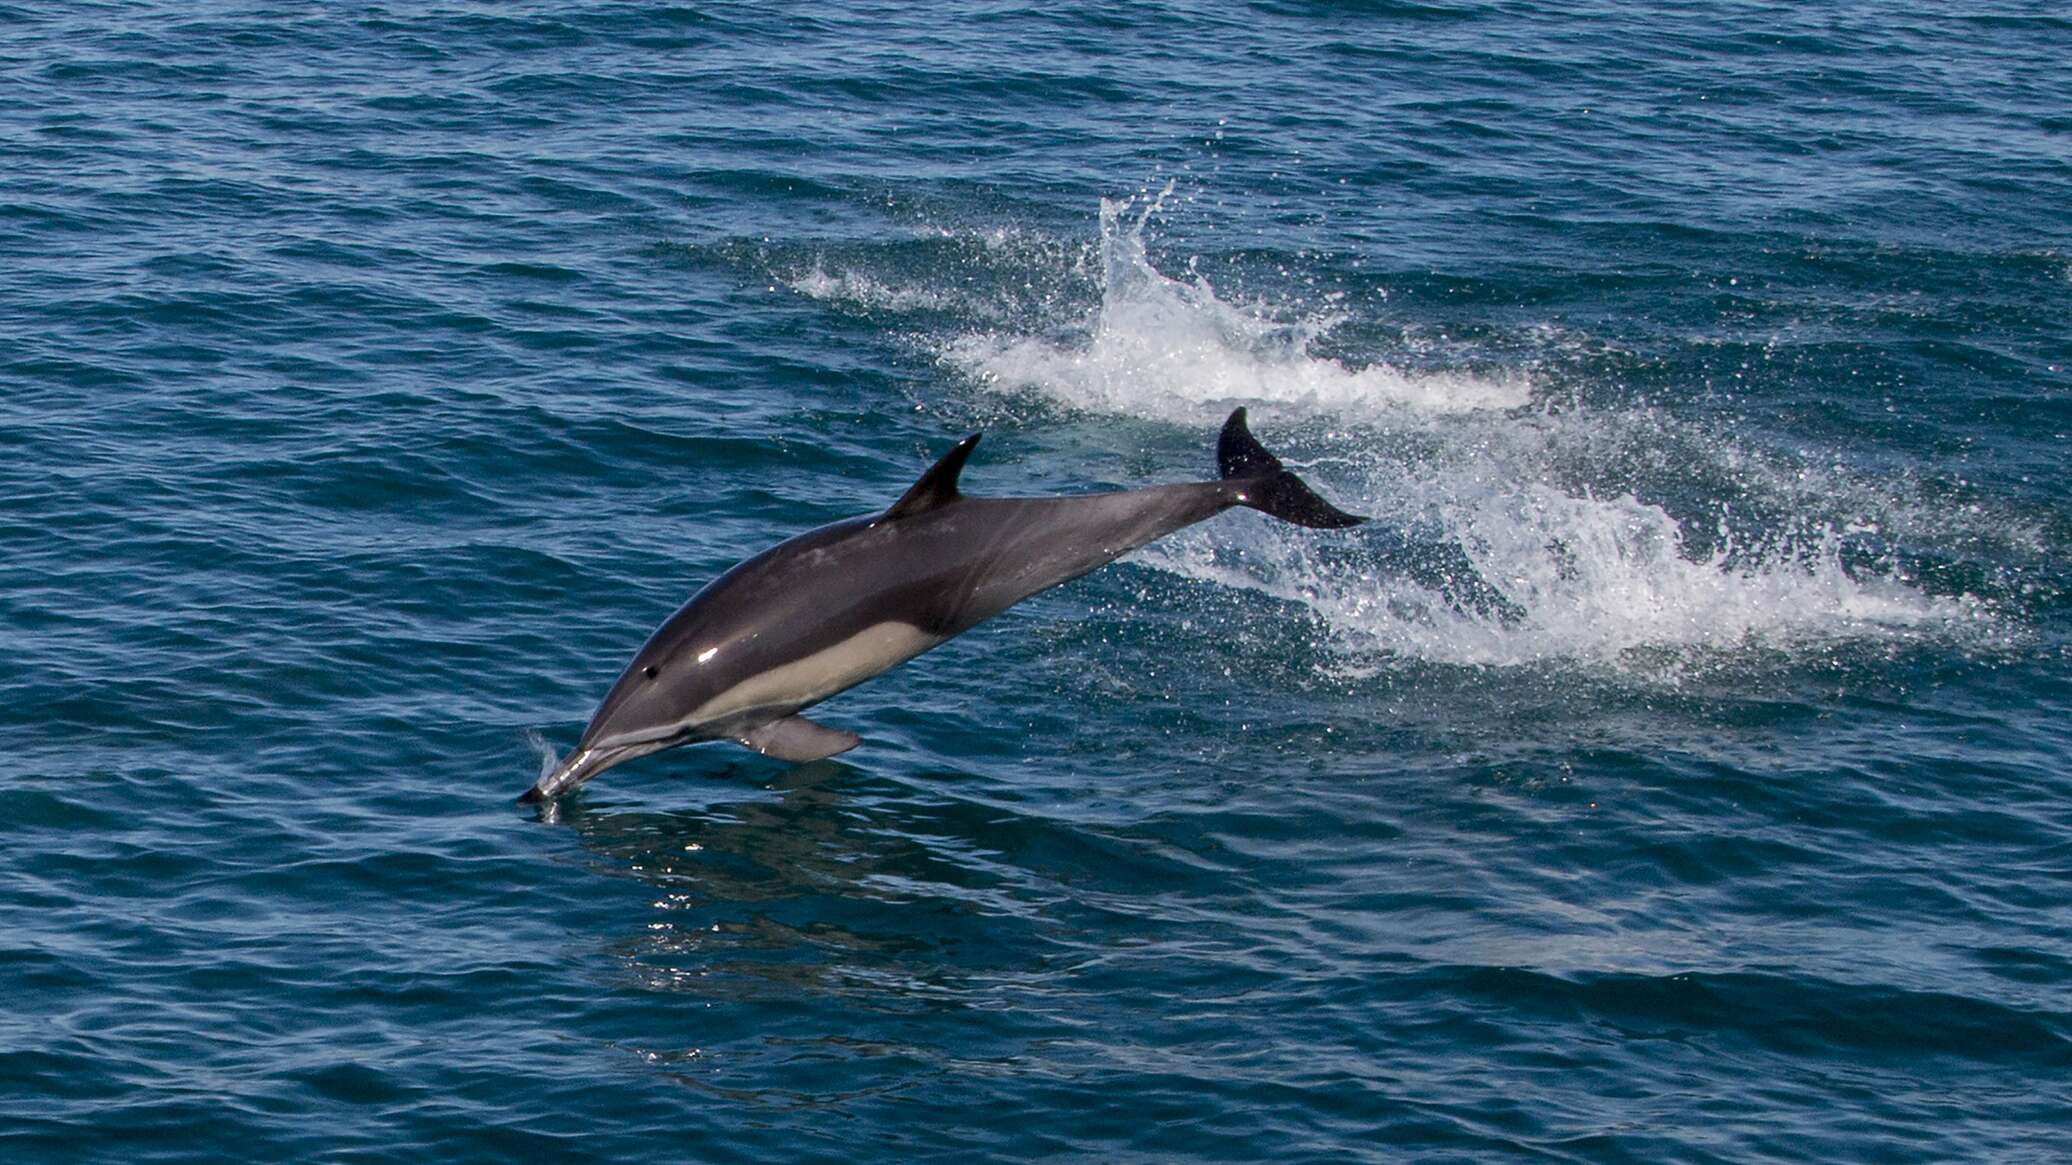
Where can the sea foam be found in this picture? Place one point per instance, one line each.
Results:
(1512, 535)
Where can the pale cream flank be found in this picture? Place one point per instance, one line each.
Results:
(821, 674)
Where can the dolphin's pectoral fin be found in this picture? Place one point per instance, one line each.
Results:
(799, 740)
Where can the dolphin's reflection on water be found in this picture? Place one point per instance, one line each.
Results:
(833, 937)
(821, 883)
(836, 934)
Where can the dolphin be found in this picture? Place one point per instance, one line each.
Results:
(836, 606)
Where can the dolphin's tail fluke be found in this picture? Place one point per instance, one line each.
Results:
(1267, 487)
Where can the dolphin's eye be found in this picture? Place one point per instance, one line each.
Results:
(650, 672)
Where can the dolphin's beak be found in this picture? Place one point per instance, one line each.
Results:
(574, 769)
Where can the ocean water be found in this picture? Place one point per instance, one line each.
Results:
(1677, 769)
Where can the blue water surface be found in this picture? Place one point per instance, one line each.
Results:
(1676, 770)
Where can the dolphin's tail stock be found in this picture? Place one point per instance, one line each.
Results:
(1267, 487)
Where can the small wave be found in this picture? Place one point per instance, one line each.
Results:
(860, 290)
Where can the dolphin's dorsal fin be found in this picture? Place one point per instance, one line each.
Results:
(938, 486)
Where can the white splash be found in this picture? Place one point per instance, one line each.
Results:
(1520, 555)
(1545, 576)
(549, 760)
(1175, 350)
(861, 290)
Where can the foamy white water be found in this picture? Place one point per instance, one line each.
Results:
(1523, 558)
(1173, 349)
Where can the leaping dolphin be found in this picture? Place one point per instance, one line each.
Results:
(835, 606)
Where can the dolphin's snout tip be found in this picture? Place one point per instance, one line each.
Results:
(574, 769)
